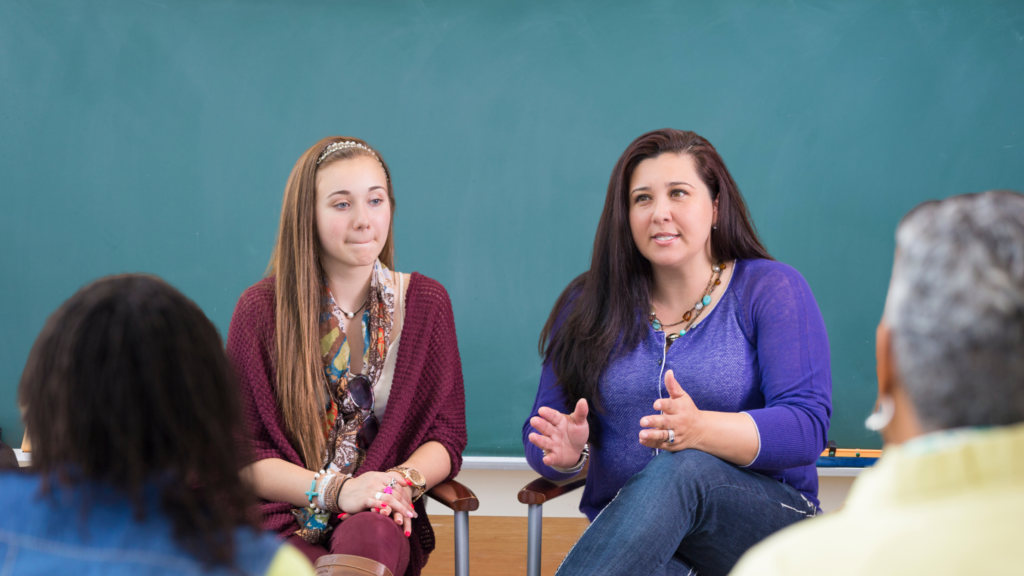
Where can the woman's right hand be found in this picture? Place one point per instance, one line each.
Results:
(561, 436)
(358, 494)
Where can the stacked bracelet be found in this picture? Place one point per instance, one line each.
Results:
(332, 493)
(325, 486)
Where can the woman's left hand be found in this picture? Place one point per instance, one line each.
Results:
(404, 521)
(680, 415)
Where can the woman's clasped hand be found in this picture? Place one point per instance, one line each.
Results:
(384, 493)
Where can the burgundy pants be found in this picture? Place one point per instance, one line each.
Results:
(367, 534)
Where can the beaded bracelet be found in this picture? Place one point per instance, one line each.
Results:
(312, 493)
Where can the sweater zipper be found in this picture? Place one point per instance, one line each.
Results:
(661, 372)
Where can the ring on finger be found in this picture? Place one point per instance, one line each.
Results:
(671, 436)
(378, 495)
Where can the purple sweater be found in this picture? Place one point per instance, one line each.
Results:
(762, 350)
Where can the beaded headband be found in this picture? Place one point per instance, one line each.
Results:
(348, 144)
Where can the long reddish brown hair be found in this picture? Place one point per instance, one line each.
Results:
(299, 279)
(601, 312)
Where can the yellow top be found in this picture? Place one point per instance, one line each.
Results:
(950, 502)
(289, 561)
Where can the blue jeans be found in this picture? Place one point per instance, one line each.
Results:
(687, 512)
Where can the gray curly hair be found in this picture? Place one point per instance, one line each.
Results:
(956, 309)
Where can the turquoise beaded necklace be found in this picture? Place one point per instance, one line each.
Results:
(694, 313)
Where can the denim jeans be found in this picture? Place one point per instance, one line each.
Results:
(686, 512)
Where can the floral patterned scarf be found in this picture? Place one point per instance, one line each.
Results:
(344, 418)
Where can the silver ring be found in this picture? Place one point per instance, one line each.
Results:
(393, 484)
(378, 495)
(671, 436)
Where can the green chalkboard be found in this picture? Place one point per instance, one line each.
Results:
(157, 136)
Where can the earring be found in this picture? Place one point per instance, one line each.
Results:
(715, 227)
(881, 418)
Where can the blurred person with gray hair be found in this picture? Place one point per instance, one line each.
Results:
(947, 496)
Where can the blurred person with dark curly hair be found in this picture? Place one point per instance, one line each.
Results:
(135, 422)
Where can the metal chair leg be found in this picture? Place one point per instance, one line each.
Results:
(462, 544)
(533, 539)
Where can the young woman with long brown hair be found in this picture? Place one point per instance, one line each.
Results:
(688, 366)
(346, 434)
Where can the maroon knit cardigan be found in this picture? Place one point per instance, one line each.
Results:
(427, 400)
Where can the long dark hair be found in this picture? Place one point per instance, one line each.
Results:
(127, 386)
(599, 313)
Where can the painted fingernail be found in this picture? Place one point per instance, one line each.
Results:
(409, 514)
(408, 482)
(407, 533)
(342, 515)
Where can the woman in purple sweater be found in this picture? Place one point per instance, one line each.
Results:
(689, 367)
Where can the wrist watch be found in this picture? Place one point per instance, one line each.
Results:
(419, 483)
(584, 456)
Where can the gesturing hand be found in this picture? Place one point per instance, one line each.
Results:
(561, 436)
(681, 416)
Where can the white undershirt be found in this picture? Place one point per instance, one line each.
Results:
(382, 390)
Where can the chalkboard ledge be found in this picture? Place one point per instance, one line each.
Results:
(509, 463)
(494, 463)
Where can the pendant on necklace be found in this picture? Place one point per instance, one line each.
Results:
(656, 325)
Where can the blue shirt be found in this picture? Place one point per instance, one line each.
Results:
(762, 349)
(50, 535)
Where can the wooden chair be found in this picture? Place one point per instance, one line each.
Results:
(534, 495)
(462, 501)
